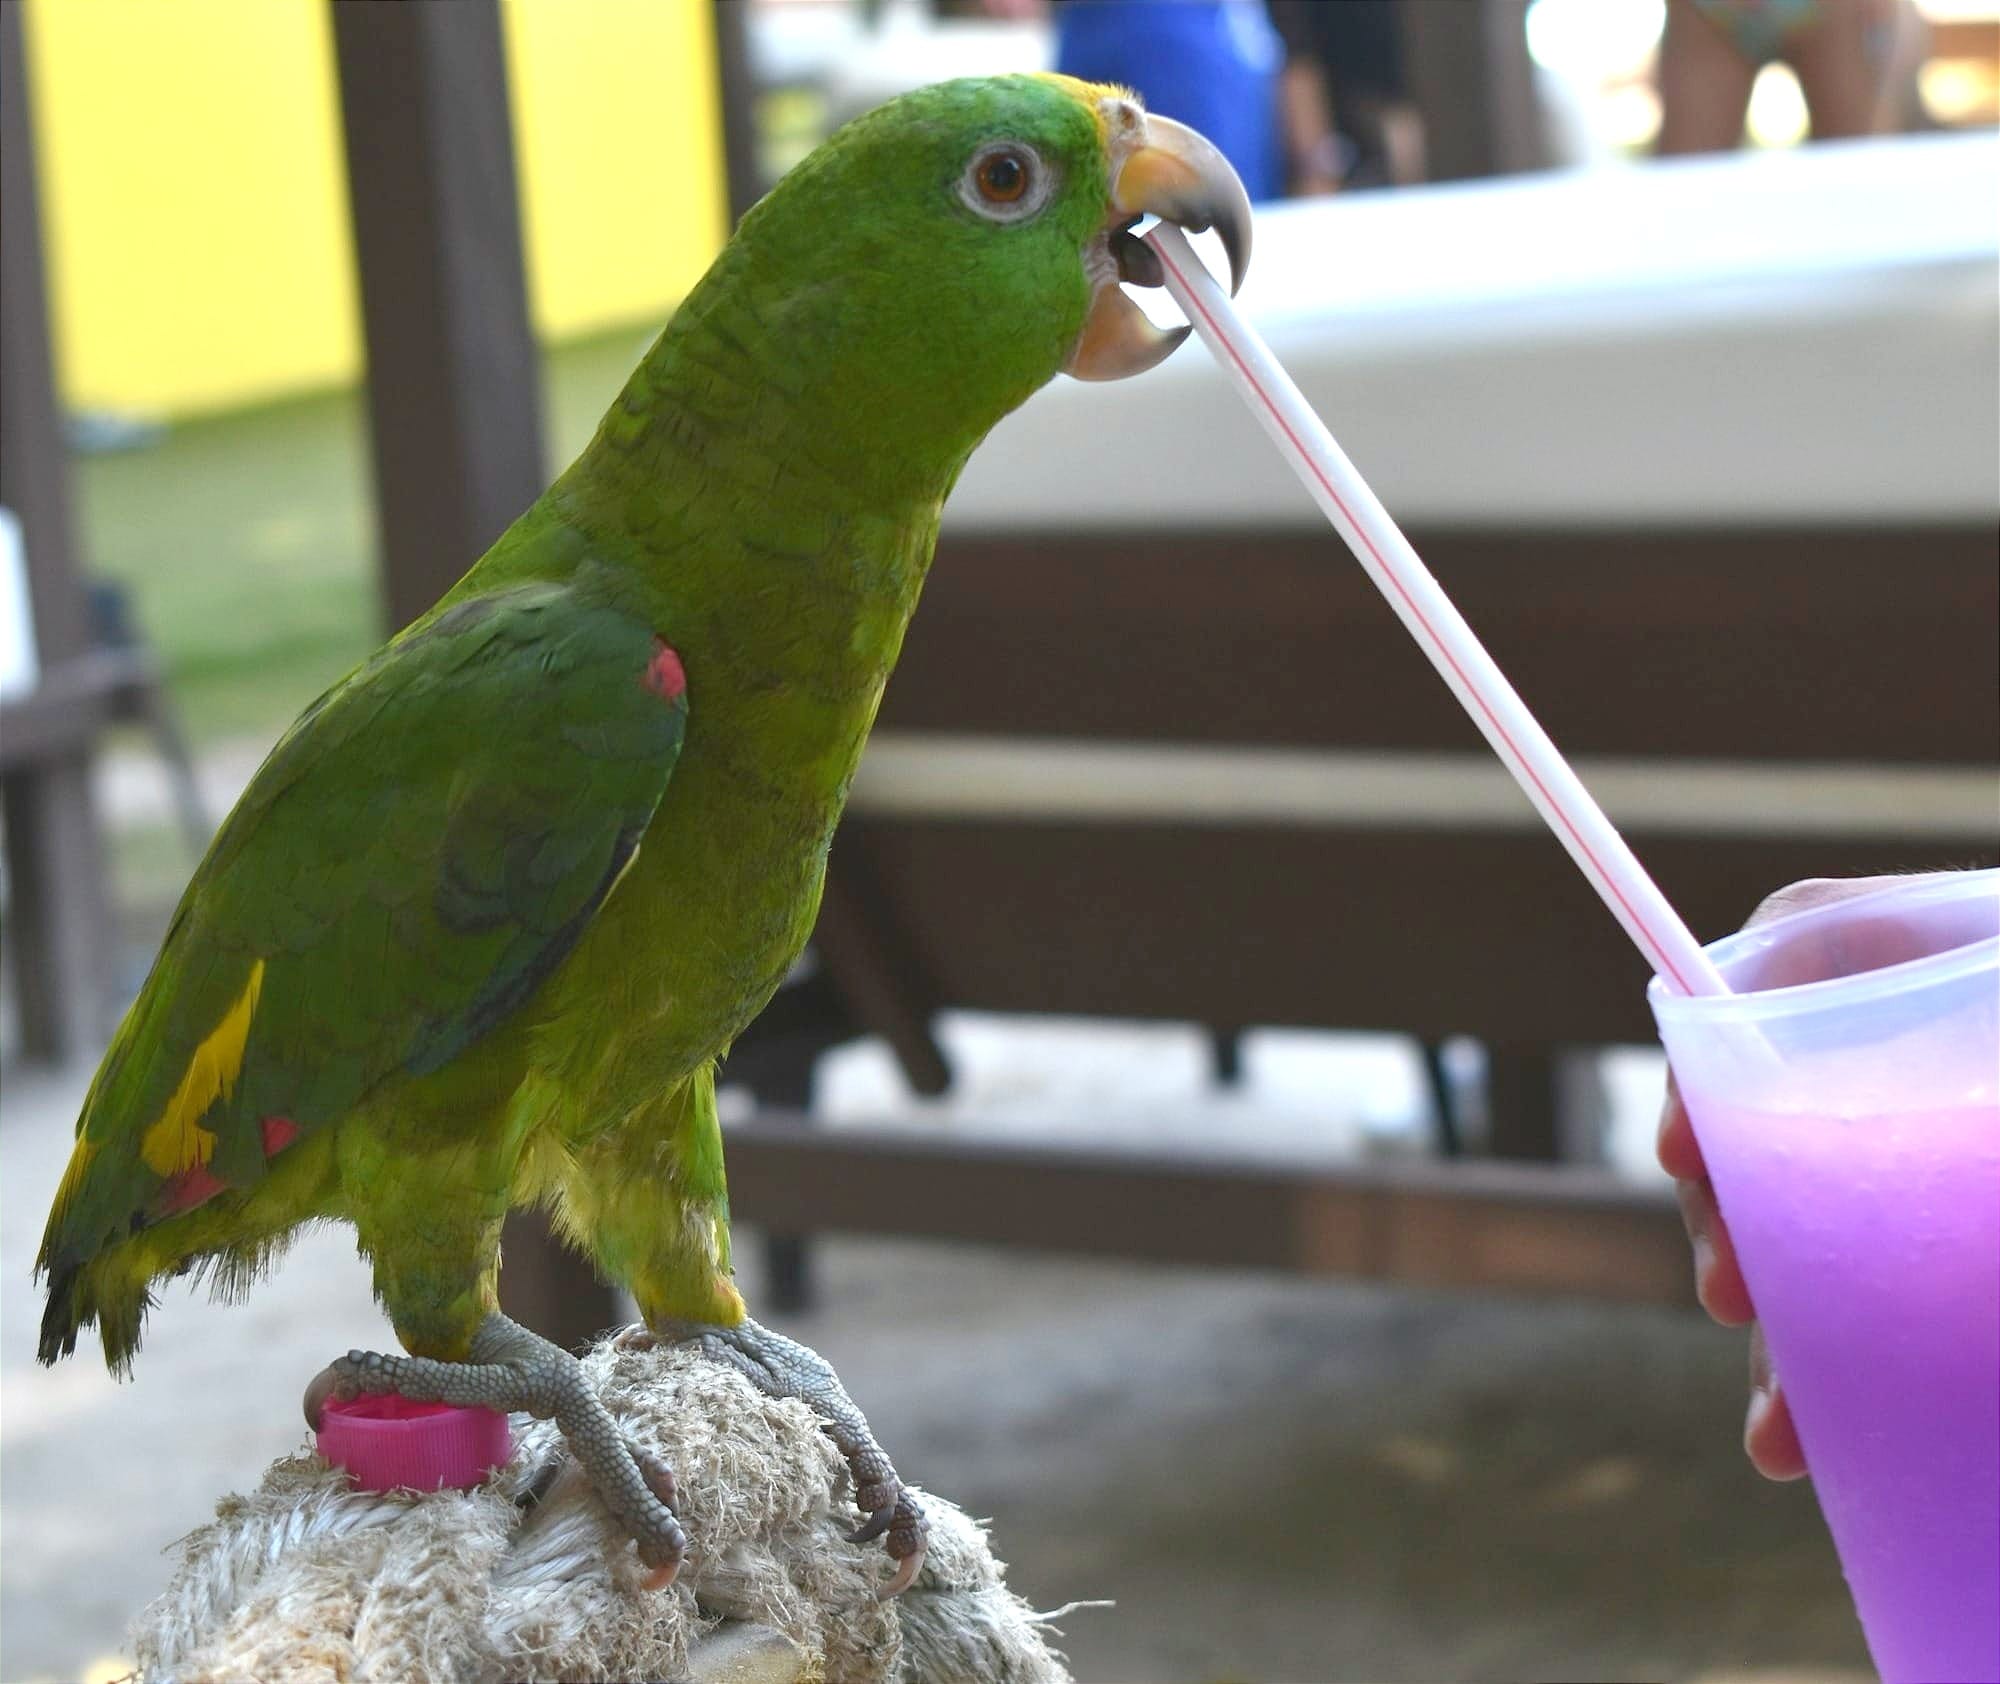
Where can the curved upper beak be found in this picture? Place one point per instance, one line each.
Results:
(1171, 172)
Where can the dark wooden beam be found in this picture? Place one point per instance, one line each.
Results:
(878, 974)
(59, 921)
(1423, 931)
(1814, 643)
(34, 463)
(1475, 85)
(737, 90)
(1489, 1226)
(58, 917)
(454, 394)
(1523, 1104)
(454, 390)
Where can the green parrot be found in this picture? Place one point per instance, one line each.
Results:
(482, 925)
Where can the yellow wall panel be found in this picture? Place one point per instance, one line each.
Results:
(193, 199)
(619, 136)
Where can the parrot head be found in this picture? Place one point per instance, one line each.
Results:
(950, 252)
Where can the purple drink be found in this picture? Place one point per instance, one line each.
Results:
(1852, 1127)
(1889, 1351)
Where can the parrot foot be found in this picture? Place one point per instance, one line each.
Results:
(781, 1367)
(512, 1369)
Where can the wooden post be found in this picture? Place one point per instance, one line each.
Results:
(454, 397)
(1475, 85)
(59, 921)
(879, 975)
(737, 100)
(454, 394)
(1523, 1098)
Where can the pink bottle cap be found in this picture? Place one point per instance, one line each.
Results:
(388, 1443)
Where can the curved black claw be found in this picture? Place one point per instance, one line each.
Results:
(323, 1388)
(902, 1521)
(909, 1542)
(874, 1526)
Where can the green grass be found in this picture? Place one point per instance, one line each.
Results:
(247, 540)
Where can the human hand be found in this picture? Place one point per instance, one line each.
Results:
(1770, 1439)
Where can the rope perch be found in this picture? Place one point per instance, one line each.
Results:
(305, 1581)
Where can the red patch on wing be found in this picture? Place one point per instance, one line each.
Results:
(278, 1133)
(664, 675)
(188, 1189)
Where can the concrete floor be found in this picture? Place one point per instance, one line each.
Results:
(1272, 1479)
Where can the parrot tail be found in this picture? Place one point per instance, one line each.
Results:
(77, 1298)
(102, 1275)
(61, 1318)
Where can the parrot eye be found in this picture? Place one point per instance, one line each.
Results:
(1002, 178)
(1005, 183)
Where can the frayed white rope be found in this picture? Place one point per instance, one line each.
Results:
(527, 1578)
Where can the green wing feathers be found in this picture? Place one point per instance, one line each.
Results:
(424, 846)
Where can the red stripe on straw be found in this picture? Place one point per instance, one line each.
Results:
(1661, 958)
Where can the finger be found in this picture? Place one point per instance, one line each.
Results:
(1718, 1277)
(1771, 1439)
(1678, 1150)
(1810, 892)
(1725, 1295)
(1849, 945)
(1770, 1436)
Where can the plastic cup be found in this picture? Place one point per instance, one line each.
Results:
(1847, 1100)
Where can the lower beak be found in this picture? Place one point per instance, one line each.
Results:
(1180, 177)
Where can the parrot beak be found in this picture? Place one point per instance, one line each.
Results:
(1159, 168)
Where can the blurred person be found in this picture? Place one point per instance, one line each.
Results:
(1855, 60)
(1212, 64)
(1347, 116)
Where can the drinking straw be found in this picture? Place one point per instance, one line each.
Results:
(1440, 630)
